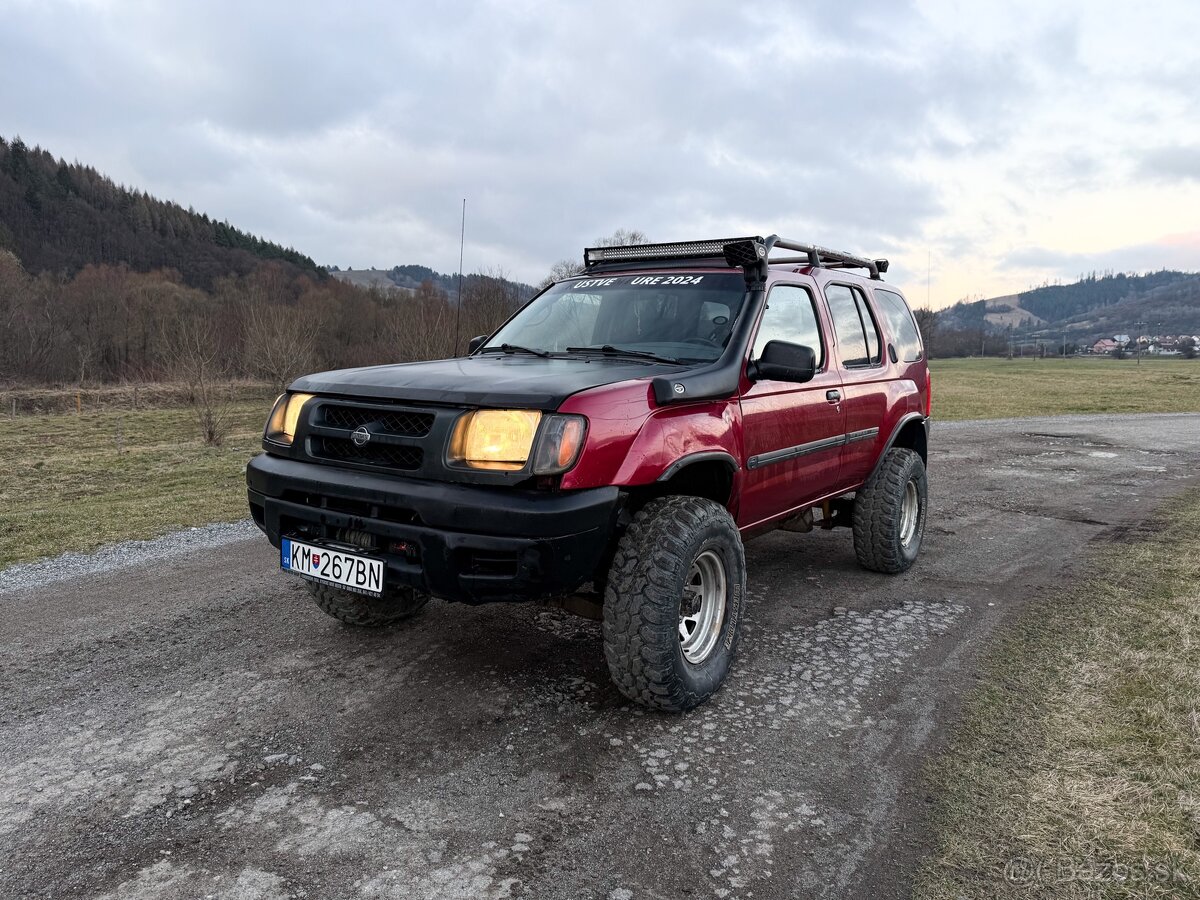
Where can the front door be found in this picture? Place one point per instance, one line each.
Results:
(792, 433)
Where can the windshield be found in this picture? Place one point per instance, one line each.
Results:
(684, 317)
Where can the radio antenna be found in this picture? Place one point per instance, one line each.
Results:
(462, 242)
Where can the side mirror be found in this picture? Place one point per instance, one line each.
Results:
(784, 361)
(476, 343)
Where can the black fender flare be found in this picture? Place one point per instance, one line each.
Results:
(702, 456)
(905, 420)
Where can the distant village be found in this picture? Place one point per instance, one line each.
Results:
(1152, 345)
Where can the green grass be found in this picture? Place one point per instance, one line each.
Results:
(67, 486)
(1075, 771)
(1003, 388)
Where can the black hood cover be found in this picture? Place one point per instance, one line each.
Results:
(524, 382)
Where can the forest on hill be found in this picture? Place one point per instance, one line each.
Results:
(101, 283)
(59, 217)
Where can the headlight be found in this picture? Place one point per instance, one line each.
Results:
(503, 440)
(281, 427)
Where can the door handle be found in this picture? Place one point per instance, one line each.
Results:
(834, 396)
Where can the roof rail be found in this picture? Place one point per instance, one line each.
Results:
(743, 252)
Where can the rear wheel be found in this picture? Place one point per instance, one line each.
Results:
(673, 603)
(889, 513)
(368, 612)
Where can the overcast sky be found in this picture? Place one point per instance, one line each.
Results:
(1003, 146)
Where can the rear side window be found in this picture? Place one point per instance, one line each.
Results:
(790, 316)
(857, 333)
(901, 325)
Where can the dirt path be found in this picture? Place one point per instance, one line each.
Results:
(196, 727)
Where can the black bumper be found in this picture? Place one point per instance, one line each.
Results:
(455, 541)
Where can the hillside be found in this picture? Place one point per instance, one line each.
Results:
(407, 279)
(1163, 302)
(59, 217)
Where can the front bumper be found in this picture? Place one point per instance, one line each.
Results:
(460, 542)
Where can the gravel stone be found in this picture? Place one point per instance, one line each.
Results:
(124, 555)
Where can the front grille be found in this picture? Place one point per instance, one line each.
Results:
(394, 456)
(400, 423)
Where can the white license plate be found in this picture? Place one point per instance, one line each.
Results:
(360, 574)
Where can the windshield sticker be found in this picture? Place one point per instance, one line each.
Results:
(638, 280)
(593, 283)
(667, 279)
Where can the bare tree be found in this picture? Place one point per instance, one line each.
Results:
(422, 326)
(195, 357)
(280, 343)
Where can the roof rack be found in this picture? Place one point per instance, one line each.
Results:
(743, 252)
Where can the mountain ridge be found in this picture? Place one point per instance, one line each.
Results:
(1096, 306)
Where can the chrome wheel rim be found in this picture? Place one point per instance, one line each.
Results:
(910, 510)
(702, 607)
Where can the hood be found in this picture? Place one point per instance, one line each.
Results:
(527, 382)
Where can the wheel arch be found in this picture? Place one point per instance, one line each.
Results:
(708, 473)
(912, 433)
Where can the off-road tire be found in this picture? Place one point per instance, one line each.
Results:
(368, 612)
(642, 600)
(878, 513)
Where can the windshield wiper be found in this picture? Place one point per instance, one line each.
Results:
(514, 348)
(610, 350)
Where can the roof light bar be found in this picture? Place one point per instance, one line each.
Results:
(678, 250)
(741, 252)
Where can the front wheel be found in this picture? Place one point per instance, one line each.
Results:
(889, 513)
(673, 603)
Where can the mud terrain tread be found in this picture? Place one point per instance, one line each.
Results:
(367, 612)
(641, 600)
(877, 509)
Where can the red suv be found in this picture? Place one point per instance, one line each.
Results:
(625, 430)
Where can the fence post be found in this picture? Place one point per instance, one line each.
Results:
(78, 404)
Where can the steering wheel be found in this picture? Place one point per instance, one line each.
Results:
(705, 342)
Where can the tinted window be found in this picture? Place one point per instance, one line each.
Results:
(790, 316)
(847, 313)
(901, 325)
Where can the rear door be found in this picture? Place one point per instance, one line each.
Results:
(791, 433)
(865, 378)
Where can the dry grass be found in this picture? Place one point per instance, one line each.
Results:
(1003, 388)
(146, 395)
(76, 482)
(1076, 769)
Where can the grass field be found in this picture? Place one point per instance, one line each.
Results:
(68, 486)
(1004, 388)
(1075, 771)
(76, 482)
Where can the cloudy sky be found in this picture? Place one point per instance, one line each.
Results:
(998, 144)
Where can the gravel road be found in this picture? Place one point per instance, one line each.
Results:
(189, 724)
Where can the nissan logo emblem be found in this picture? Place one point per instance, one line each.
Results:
(360, 436)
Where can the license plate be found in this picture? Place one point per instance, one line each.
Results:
(360, 574)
